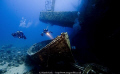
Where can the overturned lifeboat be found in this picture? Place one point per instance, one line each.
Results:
(54, 51)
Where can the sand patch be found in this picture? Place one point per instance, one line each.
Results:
(19, 70)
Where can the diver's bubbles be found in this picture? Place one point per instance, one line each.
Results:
(22, 17)
(67, 5)
(49, 25)
(76, 28)
(76, 25)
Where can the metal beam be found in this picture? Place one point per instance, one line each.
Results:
(65, 18)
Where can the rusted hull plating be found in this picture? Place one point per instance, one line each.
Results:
(57, 50)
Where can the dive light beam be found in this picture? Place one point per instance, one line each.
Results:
(48, 34)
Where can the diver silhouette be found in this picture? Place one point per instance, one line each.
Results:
(19, 34)
(45, 31)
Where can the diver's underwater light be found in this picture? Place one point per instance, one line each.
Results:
(48, 34)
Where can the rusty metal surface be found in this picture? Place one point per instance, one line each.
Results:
(37, 46)
(57, 50)
(61, 18)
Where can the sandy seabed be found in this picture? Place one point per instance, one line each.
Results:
(16, 70)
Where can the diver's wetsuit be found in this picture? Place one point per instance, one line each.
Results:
(45, 31)
(19, 34)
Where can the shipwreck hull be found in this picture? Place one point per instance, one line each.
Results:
(65, 18)
(58, 50)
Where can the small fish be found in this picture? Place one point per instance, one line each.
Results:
(73, 47)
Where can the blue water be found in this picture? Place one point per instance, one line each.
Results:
(26, 12)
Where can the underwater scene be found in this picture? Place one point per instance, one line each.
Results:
(59, 37)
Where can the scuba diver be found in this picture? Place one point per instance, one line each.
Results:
(45, 31)
(19, 34)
